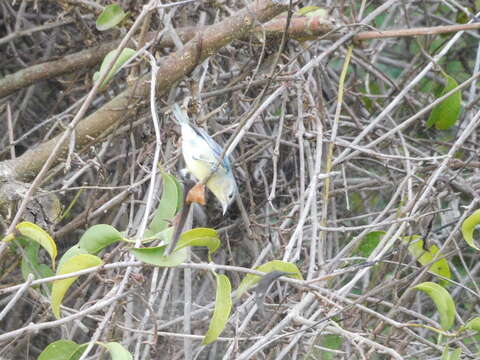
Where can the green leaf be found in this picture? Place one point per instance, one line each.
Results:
(154, 256)
(39, 235)
(59, 350)
(165, 235)
(170, 203)
(8, 237)
(454, 355)
(98, 237)
(424, 257)
(111, 16)
(468, 227)
(446, 113)
(473, 324)
(200, 237)
(330, 341)
(125, 55)
(30, 263)
(74, 264)
(179, 195)
(117, 351)
(275, 265)
(313, 11)
(443, 301)
(45, 271)
(369, 243)
(79, 352)
(73, 251)
(223, 306)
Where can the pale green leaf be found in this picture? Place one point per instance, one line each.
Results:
(275, 265)
(446, 113)
(74, 264)
(79, 352)
(117, 351)
(73, 251)
(39, 235)
(454, 355)
(8, 237)
(200, 237)
(165, 235)
(170, 202)
(424, 257)
(125, 55)
(98, 237)
(221, 313)
(314, 11)
(59, 350)
(443, 301)
(468, 227)
(473, 324)
(111, 16)
(155, 256)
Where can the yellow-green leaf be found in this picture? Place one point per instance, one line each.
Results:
(446, 113)
(59, 350)
(454, 355)
(468, 227)
(155, 256)
(443, 301)
(311, 11)
(424, 257)
(39, 235)
(200, 237)
(9, 237)
(117, 351)
(111, 16)
(79, 352)
(98, 237)
(73, 251)
(473, 324)
(223, 306)
(125, 55)
(74, 264)
(275, 265)
(170, 203)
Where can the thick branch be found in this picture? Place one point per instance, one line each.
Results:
(172, 68)
(301, 28)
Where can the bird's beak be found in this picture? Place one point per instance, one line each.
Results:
(224, 207)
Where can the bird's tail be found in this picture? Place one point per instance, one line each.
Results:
(179, 114)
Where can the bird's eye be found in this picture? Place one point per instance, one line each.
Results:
(230, 195)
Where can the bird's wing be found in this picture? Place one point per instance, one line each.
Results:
(217, 149)
(179, 114)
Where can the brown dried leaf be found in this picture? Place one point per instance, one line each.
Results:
(196, 194)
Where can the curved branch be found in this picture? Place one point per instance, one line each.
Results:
(175, 66)
(301, 28)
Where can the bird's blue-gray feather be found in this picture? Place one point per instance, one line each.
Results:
(217, 149)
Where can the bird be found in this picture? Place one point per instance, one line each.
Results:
(202, 157)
